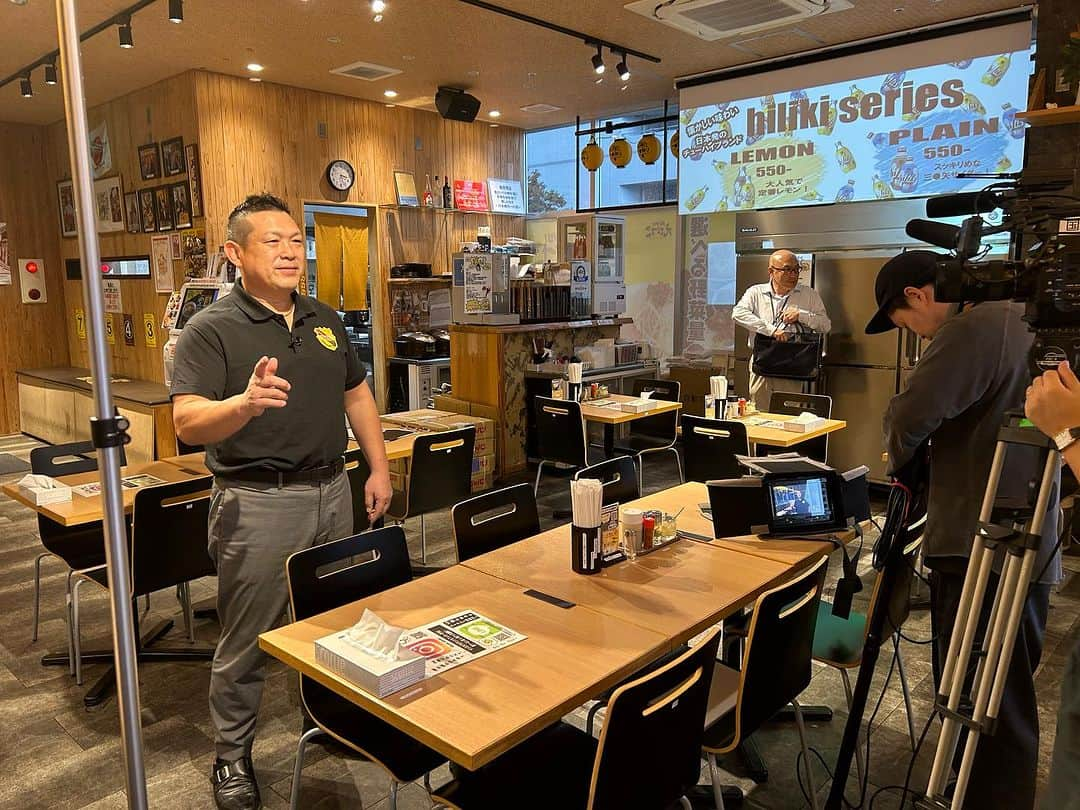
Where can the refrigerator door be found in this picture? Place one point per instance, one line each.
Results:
(860, 397)
(845, 282)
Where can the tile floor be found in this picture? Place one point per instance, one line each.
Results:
(56, 754)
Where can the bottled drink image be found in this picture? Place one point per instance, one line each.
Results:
(846, 192)
(696, 198)
(1016, 126)
(997, 70)
(844, 159)
(881, 189)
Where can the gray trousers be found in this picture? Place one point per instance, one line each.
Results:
(1063, 790)
(253, 530)
(762, 388)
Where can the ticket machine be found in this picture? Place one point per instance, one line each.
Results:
(193, 297)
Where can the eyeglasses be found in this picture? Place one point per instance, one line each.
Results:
(784, 269)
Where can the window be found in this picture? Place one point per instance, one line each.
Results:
(550, 161)
(637, 183)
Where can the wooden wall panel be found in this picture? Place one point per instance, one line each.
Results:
(31, 335)
(162, 111)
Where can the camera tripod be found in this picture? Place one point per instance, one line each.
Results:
(1020, 549)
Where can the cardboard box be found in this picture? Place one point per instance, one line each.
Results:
(485, 428)
(453, 404)
(483, 464)
(482, 481)
(693, 382)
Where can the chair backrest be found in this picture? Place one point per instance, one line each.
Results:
(618, 476)
(663, 425)
(494, 519)
(357, 470)
(67, 459)
(710, 446)
(776, 660)
(560, 431)
(898, 608)
(662, 713)
(793, 404)
(168, 535)
(333, 574)
(440, 472)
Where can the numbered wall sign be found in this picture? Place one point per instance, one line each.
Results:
(149, 332)
(110, 335)
(80, 324)
(129, 330)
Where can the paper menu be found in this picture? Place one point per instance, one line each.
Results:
(458, 639)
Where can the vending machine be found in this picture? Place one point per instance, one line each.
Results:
(601, 241)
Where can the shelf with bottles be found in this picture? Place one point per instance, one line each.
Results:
(439, 210)
(443, 279)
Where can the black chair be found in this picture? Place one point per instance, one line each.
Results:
(560, 437)
(80, 547)
(653, 434)
(167, 548)
(493, 520)
(775, 670)
(619, 477)
(660, 713)
(792, 405)
(440, 475)
(710, 446)
(357, 469)
(359, 566)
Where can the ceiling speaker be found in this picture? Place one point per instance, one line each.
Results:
(456, 105)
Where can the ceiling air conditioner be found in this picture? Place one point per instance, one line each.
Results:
(719, 19)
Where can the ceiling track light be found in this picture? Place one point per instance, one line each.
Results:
(622, 69)
(25, 87)
(378, 6)
(126, 39)
(598, 61)
(50, 73)
(176, 11)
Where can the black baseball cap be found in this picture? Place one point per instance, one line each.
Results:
(915, 268)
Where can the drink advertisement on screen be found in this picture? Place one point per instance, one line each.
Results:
(901, 134)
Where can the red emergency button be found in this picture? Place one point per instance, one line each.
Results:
(105, 269)
(31, 267)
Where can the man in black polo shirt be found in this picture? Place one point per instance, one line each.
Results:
(264, 378)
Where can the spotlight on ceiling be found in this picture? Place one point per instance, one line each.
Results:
(126, 39)
(623, 70)
(25, 87)
(176, 11)
(378, 6)
(255, 67)
(598, 61)
(50, 73)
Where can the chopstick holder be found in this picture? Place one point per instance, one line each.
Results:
(718, 386)
(586, 496)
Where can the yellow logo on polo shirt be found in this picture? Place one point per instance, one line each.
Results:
(326, 337)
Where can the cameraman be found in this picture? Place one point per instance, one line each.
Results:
(974, 370)
(1053, 405)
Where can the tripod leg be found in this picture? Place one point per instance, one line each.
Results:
(904, 689)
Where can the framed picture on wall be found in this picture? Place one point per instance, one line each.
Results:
(191, 156)
(172, 156)
(131, 207)
(109, 205)
(405, 189)
(181, 203)
(149, 161)
(65, 196)
(163, 208)
(146, 209)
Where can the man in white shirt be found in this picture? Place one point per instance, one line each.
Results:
(776, 308)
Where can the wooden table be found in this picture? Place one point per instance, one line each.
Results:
(777, 437)
(474, 712)
(82, 509)
(610, 416)
(677, 591)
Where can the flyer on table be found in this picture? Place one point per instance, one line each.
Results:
(903, 134)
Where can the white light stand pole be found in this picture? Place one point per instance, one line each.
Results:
(107, 428)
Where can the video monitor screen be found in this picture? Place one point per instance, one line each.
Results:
(195, 299)
(801, 503)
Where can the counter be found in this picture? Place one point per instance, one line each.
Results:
(55, 405)
(488, 366)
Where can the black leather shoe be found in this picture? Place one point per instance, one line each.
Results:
(234, 784)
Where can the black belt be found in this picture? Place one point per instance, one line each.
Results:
(314, 475)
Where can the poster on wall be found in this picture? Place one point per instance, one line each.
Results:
(65, 198)
(110, 289)
(161, 257)
(191, 157)
(5, 261)
(470, 195)
(100, 153)
(109, 205)
(506, 197)
(902, 134)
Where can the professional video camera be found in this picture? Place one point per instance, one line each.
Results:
(1044, 271)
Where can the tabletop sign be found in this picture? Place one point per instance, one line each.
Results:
(110, 335)
(470, 195)
(129, 330)
(80, 323)
(110, 288)
(149, 330)
(506, 197)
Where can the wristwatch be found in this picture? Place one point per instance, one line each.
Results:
(1066, 438)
